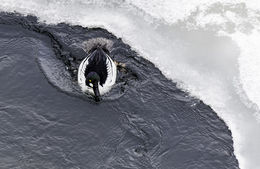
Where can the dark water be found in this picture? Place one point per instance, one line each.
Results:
(145, 122)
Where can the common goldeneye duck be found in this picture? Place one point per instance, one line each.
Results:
(97, 72)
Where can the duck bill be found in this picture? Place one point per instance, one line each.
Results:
(96, 92)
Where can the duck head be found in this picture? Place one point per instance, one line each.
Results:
(92, 80)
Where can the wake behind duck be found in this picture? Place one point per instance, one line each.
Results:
(97, 72)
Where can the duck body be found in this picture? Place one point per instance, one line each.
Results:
(97, 64)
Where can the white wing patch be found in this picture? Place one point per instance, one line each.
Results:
(110, 81)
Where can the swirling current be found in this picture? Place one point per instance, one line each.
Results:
(145, 122)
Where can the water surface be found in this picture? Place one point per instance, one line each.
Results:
(144, 122)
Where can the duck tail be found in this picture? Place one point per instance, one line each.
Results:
(95, 43)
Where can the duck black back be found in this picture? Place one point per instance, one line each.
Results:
(97, 62)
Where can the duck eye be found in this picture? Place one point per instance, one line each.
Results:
(89, 81)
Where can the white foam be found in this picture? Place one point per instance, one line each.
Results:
(191, 42)
(249, 62)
